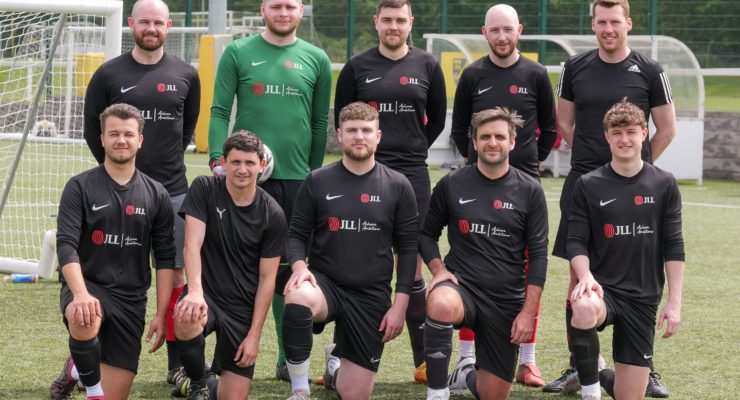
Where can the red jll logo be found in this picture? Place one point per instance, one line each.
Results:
(333, 224)
(463, 226)
(609, 231)
(258, 89)
(98, 237)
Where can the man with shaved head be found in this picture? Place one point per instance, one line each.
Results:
(504, 78)
(167, 91)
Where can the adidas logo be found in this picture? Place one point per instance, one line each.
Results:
(634, 68)
(436, 355)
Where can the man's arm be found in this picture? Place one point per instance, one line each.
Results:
(346, 91)
(84, 307)
(675, 257)
(163, 247)
(436, 107)
(165, 280)
(579, 234)
(193, 306)
(190, 111)
(96, 100)
(227, 79)
(246, 354)
(567, 120)
(302, 223)
(671, 313)
(523, 325)
(320, 114)
(461, 116)
(545, 117)
(664, 118)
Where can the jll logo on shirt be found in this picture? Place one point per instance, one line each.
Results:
(292, 65)
(99, 238)
(498, 204)
(514, 89)
(405, 80)
(369, 198)
(131, 210)
(640, 200)
(162, 87)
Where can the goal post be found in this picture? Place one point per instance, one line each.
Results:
(48, 51)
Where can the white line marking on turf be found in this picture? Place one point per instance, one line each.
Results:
(710, 205)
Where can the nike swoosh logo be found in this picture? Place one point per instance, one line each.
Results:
(603, 203)
(368, 80)
(96, 208)
(330, 197)
(481, 91)
(461, 201)
(254, 64)
(85, 373)
(647, 357)
(374, 360)
(124, 90)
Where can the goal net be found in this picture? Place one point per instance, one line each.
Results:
(49, 49)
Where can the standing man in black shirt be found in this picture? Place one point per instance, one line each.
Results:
(167, 91)
(407, 87)
(507, 79)
(494, 214)
(234, 236)
(589, 85)
(624, 229)
(110, 219)
(355, 210)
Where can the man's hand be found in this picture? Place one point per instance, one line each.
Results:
(85, 309)
(246, 354)
(158, 326)
(392, 323)
(671, 314)
(586, 286)
(522, 328)
(300, 274)
(216, 168)
(191, 308)
(442, 275)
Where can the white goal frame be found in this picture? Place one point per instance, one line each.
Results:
(112, 11)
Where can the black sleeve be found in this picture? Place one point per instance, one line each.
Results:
(435, 221)
(461, 115)
(673, 238)
(302, 223)
(196, 202)
(537, 230)
(275, 236)
(163, 233)
(405, 231)
(660, 88)
(190, 111)
(96, 100)
(69, 223)
(579, 228)
(346, 91)
(545, 117)
(436, 107)
(564, 88)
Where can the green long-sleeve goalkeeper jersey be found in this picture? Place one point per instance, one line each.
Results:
(282, 95)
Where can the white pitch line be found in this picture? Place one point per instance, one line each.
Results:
(710, 205)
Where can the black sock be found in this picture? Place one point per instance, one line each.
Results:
(569, 333)
(192, 356)
(437, 352)
(173, 359)
(297, 334)
(415, 316)
(471, 381)
(585, 344)
(86, 355)
(606, 379)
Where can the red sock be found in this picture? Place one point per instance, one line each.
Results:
(466, 334)
(176, 292)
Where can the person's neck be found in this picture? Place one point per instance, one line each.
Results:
(614, 57)
(278, 40)
(504, 62)
(493, 171)
(627, 168)
(120, 173)
(394, 54)
(147, 57)
(358, 167)
(242, 197)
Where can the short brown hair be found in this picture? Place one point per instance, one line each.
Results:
(121, 111)
(392, 4)
(244, 140)
(497, 114)
(625, 4)
(623, 114)
(358, 111)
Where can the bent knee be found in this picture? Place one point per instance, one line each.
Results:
(304, 295)
(444, 304)
(586, 311)
(186, 330)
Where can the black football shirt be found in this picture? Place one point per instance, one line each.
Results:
(490, 224)
(111, 230)
(628, 228)
(235, 240)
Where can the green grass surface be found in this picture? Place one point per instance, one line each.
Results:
(696, 364)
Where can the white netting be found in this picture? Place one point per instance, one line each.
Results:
(55, 149)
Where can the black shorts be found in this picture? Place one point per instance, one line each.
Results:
(491, 321)
(358, 317)
(634, 329)
(231, 326)
(121, 328)
(285, 193)
(560, 249)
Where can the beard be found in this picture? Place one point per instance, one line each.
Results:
(512, 49)
(148, 46)
(358, 155)
(392, 45)
(275, 29)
